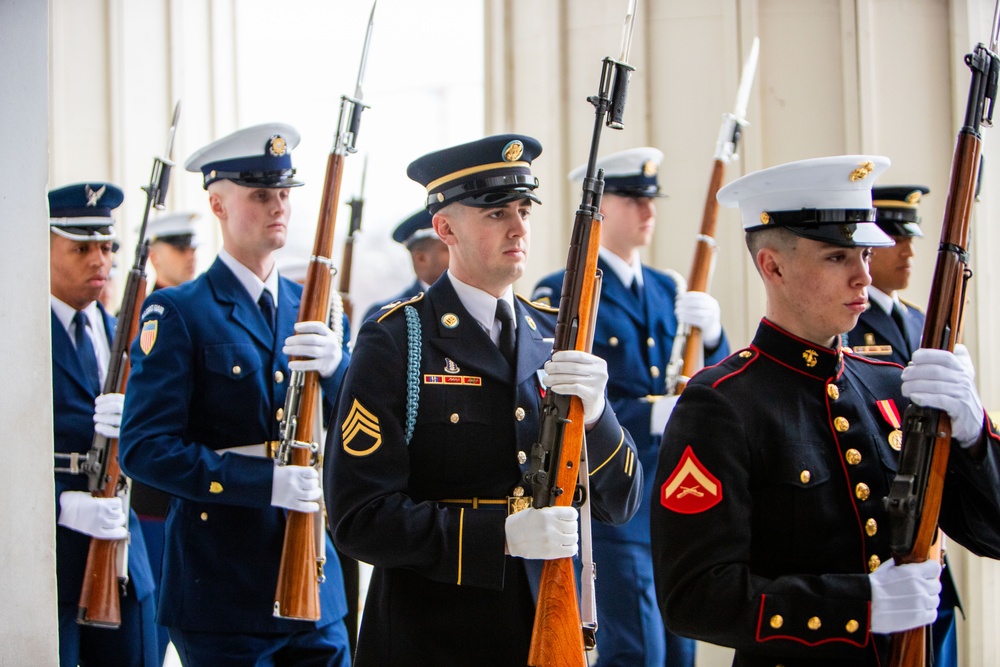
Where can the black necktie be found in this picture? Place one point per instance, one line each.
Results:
(636, 289)
(506, 317)
(85, 349)
(897, 316)
(266, 303)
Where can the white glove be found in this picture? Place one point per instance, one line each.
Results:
(103, 518)
(576, 373)
(660, 413)
(316, 342)
(700, 309)
(940, 379)
(904, 596)
(108, 414)
(543, 534)
(296, 488)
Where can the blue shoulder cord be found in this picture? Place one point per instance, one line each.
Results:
(412, 370)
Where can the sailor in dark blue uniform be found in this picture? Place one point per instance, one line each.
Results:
(436, 419)
(769, 533)
(80, 248)
(427, 252)
(203, 409)
(636, 324)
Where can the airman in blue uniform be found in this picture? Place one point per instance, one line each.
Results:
(202, 414)
(769, 534)
(81, 237)
(637, 321)
(435, 424)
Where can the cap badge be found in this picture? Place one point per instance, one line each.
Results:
(276, 146)
(649, 168)
(811, 357)
(861, 173)
(92, 196)
(449, 320)
(913, 197)
(450, 366)
(440, 196)
(764, 218)
(512, 151)
(847, 232)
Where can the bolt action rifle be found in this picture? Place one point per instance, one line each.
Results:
(914, 499)
(558, 637)
(303, 551)
(357, 205)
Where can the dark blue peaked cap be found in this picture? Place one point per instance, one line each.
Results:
(897, 208)
(82, 211)
(485, 173)
(417, 226)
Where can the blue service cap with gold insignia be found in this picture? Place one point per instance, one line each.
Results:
(179, 229)
(415, 228)
(488, 172)
(897, 208)
(256, 157)
(82, 211)
(630, 173)
(825, 199)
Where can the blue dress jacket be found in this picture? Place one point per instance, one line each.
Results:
(877, 336)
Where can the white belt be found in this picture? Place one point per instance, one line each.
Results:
(262, 450)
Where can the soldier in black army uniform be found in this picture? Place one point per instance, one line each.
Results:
(768, 529)
(436, 419)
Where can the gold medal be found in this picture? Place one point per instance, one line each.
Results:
(896, 439)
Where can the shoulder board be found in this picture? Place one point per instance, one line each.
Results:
(910, 304)
(679, 281)
(537, 305)
(391, 308)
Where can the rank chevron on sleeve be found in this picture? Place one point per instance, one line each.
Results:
(360, 422)
(691, 488)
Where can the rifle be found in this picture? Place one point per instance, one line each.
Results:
(107, 560)
(558, 636)
(686, 353)
(357, 204)
(914, 499)
(303, 551)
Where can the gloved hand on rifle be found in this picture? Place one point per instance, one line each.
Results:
(317, 343)
(543, 534)
(700, 309)
(576, 373)
(904, 596)
(103, 518)
(296, 488)
(108, 414)
(945, 381)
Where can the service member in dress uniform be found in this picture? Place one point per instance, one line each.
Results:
(426, 462)
(173, 239)
(640, 311)
(768, 529)
(203, 410)
(80, 248)
(428, 254)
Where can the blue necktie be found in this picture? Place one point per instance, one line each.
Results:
(85, 349)
(266, 303)
(636, 289)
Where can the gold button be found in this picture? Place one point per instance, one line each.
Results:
(650, 342)
(853, 457)
(204, 516)
(832, 391)
(862, 491)
(654, 372)
(746, 354)
(613, 342)
(521, 457)
(215, 487)
(873, 563)
(777, 621)
(237, 370)
(518, 491)
(519, 414)
(279, 377)
(814, 623)
(805, 476)
(841, 424)
(454, 418)
(871, 527)
(280, 414)
(852, 626)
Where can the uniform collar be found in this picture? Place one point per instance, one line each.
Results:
(625, 271)
(251, 283)
(65, 314)
(881, 299)
(481, 305)
(798, 354)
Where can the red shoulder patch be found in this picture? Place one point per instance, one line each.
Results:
(691, 488)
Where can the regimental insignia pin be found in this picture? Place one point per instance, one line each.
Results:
(361, 425)
(896, 439)
(811, 357)
(449, 320)
(450, 366)
(869, 339)
(649, 168)
(862, 171)
(94, 196)
(512, 151)
(531, 323)
(147, 337)
(764, 218)
(691, 488)
(276, 146)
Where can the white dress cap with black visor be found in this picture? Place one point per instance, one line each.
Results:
(629, 173)
(82, 211)
(824, 199)
(179, 229)
(256, 157)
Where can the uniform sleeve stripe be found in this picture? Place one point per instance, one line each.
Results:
(621, 441)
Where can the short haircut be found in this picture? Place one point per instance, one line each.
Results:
(778, 238)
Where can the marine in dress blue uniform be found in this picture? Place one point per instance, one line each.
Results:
(205, 401)
(427, 252)
(82, 236)
(768, 530)
(635, 330)
(426, 462)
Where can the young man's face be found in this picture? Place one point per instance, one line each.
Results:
(254, 220)
(78, 270)
(488, 246)
(891, 267)
(628, 224)
(173, 265)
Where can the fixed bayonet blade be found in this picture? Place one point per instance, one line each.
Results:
(364, 174)
(995, 33)
(627, 32)
(746, 83)
(358, 94)
(172, 132)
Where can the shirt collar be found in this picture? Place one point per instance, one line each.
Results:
(625, 271)
(481, 305)
(65, 313)
(881, 299)
(251, 283)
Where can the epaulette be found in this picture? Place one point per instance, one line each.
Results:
(391, 308)
(544, 307)
(910, 304)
